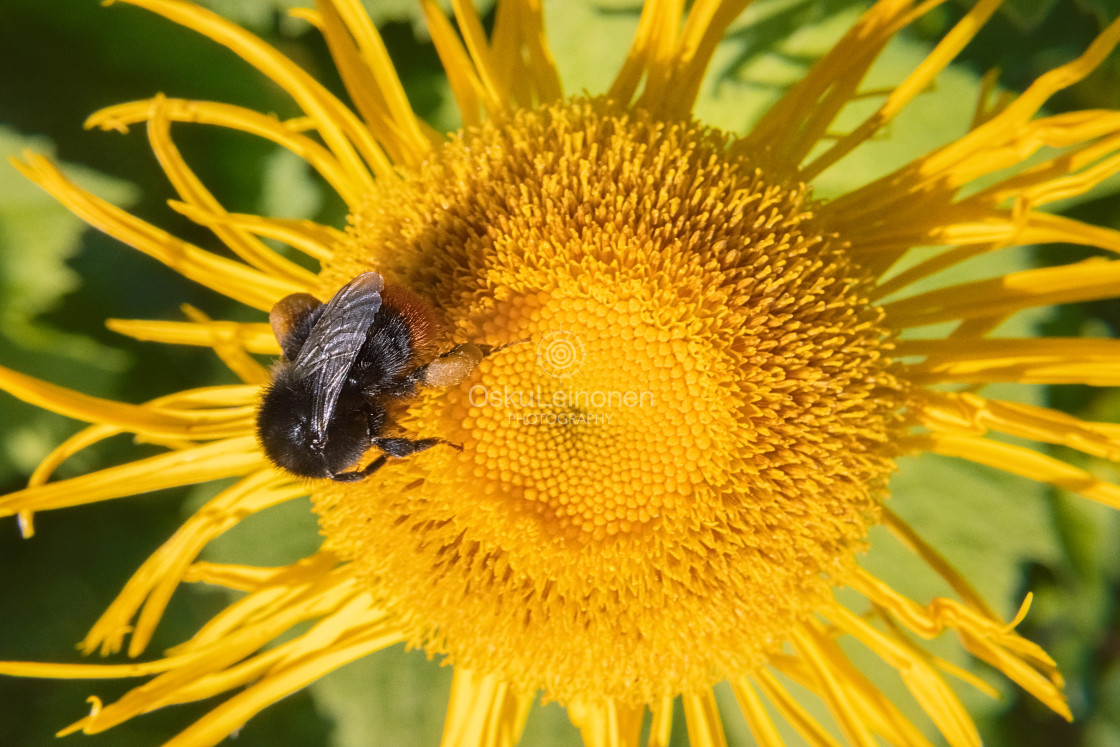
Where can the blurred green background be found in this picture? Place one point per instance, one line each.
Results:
(59, 281)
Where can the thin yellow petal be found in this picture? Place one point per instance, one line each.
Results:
(654, 37)
(151, 418)
(937, 562)
(474, 36)
(230, 278)
(994, 642)
(483, 712)
(520, 45)
(1025, 361)
(230, 575)
(251, 336)
(233, 712)
(921, 678)
(352, 625)
(246, 246)
(150, 588)
(1090, 280)
(671, 89)
(286, 134)
(388, 84)
(919, 80)
(802, 117)
(866, 708)
(404, 142)
(1027, 104)
(701, 715)
(607, 724)
(970, 414)
(466, 84)
(758, 720)
(313, 239)
(214, 461)
(661, 725)
(342, 131)
(1010, 131)
(827, 683)
(83, 671)
(793, 712)
(1070, 174)
(234, 355)
(1026, 463)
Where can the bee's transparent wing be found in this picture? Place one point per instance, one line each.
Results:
(334, 342)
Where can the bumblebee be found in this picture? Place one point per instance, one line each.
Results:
(344, 364)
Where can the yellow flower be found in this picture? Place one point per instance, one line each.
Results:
(669, 485)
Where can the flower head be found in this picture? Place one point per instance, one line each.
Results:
(697, 377)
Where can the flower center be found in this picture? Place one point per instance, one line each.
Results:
(687, 451)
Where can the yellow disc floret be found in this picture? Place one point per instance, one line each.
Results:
(683, 455)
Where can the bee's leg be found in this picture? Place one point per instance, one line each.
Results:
(362, 473)
(450, 368)
(402, 447)
(455, 365)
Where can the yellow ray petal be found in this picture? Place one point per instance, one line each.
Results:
(940, 261)
(868, 710)
(404, 142)
(285, 134)
(1027, 104)
(83, 439)
(246, 246)
(150, 588)
(672, 90)
(343, 133)
(251, 336)
(1025, 361)
(802, 117)
(474, 36)
(233, 712)
(655, 37)
(701, 715)
(353, 629)
(84, 671)
(381, 68)
(471, 95)
(230, 278)
(828, 685)
(661, 725)
(895, 194)
(921, 678)
(483, 712)
(1070, 174)
(1002, 296)
(937, 562)
(519, 44)
(971, 414)
(307, 589)
(152, 418)
(230, 575)
(758, 720)
(226, 458)
(1027, 463)
(994, 642)
(919, 80)
(880, 245)
(793, 712)
(234, 355)
(311, 238)
(607, 724)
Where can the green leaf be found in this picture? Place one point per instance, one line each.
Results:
(37, 238)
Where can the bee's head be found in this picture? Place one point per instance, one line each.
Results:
(288, 440)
